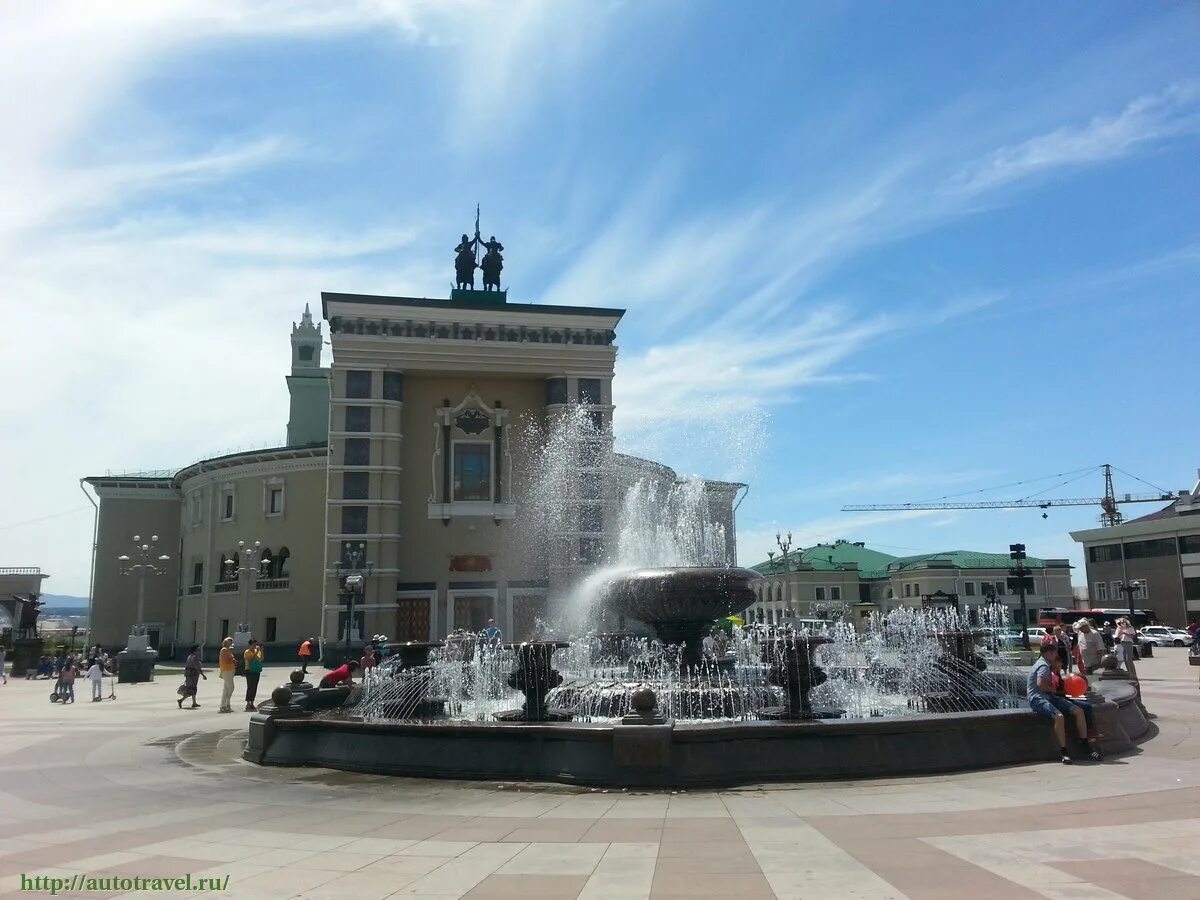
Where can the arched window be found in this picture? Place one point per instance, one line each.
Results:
(229, 566)
(282, 563)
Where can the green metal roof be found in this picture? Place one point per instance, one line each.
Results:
(874, 564)
(830, 558)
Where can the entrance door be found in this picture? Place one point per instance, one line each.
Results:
(152, 636)
(472, 612)
(412, 619)
(526, 610)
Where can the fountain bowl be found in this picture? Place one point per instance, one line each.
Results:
(685, 594)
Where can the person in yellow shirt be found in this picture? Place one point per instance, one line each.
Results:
(254, 665)
(227, 663)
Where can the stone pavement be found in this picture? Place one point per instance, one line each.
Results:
(137, 787)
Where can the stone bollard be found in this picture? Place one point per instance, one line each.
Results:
(262, 730)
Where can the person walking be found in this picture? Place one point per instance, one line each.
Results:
(95, 675)
(1125, 637)
(307, 648)
(3, 671)
(253, 658)
(67, 679)
(192, 673)
(227, 663)
(1090, 646)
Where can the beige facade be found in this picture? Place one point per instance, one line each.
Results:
(1158, 555)
(412, 460)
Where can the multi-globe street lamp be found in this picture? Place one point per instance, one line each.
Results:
(245, 572)
(352, 587)
(143, 563)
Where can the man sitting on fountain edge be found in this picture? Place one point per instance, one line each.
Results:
(1046, 698)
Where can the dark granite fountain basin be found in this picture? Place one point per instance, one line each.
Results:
(680, 604)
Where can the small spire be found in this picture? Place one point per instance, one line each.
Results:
(307, 318)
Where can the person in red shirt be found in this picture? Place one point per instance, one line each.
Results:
(341, 675)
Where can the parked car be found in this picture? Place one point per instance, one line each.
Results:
(1011, 637)
(1162, 636)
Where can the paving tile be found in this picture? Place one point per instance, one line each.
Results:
(338, 861)
(634, 831)
(558, 830)
(550, 859)
(742, 887)
(544, 887)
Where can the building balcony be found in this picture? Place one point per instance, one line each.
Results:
(225, 587)
(195, 589)
(273, 584)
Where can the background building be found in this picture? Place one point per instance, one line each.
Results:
(849, 577)
(417, 459)
(1161, 552)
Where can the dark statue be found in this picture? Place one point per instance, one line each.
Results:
(464, 264)
(492, 263)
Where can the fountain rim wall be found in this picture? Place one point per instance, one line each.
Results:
(696, 754)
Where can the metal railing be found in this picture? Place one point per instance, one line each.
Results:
(273, 584)
(225, 587)
(195, 589)
(20, 570)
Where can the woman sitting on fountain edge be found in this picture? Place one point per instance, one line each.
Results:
(1046, 698)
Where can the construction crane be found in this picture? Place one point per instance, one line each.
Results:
(1110, 514)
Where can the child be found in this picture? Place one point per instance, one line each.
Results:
(95, 674)
(67, 679)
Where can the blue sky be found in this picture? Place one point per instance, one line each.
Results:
(869, 252)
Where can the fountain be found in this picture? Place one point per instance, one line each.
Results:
(906, 692)
(534, 677)
(792, 668)
(680, 604)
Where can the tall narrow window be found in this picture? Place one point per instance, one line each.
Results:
(591, 518)
(357, 452)
(198, 573)
(355, 485)
(354, 520)
(393, 386)
(358, 385)
(589, 391)
(472, 471)
(270, 631)
(556, 391)
(358, 418)
(228, 504)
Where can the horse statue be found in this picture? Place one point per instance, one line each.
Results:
(465, 265)
(492, 263)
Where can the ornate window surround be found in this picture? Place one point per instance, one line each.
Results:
(447, 432)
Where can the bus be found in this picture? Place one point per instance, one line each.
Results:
(1048, 618)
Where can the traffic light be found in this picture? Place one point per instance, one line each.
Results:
(1016, 552)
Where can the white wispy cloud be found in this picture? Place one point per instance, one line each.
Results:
(1144, 120)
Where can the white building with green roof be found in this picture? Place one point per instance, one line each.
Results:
(847, 577)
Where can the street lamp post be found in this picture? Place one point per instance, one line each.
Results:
(1129, 589)
(136, 662)
(245, 572)
(142, 564)
(353, 586)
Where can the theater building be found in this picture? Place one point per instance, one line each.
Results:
(412, 459)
